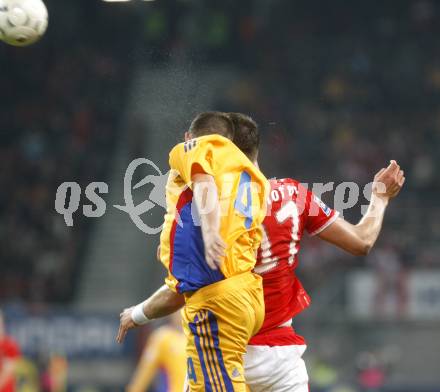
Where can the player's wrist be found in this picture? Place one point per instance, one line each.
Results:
(383, 197)
(138, 316)
(209, 233)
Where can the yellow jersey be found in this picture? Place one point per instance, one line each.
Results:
(165, 351)
(242, 192)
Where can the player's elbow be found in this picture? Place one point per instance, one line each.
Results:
(363, 248)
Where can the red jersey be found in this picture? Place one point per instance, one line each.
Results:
(291, 210)
(8, 350)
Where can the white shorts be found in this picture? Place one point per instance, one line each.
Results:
(276, 369)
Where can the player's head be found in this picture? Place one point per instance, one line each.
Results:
(247, 135)
(208, 123)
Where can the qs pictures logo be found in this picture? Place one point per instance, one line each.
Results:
(68, 196)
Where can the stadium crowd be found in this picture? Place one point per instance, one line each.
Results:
(329, 99)
(59, 123)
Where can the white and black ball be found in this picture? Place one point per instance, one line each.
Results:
(22, 22)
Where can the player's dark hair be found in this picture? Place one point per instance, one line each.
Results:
(208, 123)
(247, 135)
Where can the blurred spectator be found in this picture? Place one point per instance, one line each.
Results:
(9, 355)
(375, 367)
(27, 376)
(372, 375)
(54, 378)
(164, 354)
(390, 299)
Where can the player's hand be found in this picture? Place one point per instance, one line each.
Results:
(389, 181)
(125, 324)
(214, 249)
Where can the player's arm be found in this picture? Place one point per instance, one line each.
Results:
(196, 166)
(162, 303)
(205, 194)
(147, 366)
(359, 239)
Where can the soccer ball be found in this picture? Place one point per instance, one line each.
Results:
(22, 22)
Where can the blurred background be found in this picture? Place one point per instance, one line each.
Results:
(338, 88)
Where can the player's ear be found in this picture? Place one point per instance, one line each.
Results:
(188, 136)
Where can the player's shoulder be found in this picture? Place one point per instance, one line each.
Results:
(283, 190)
(276, 183)
(214, 139)
(202, 141)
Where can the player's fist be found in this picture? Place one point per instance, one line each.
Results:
(389, 181)
(214, 248)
